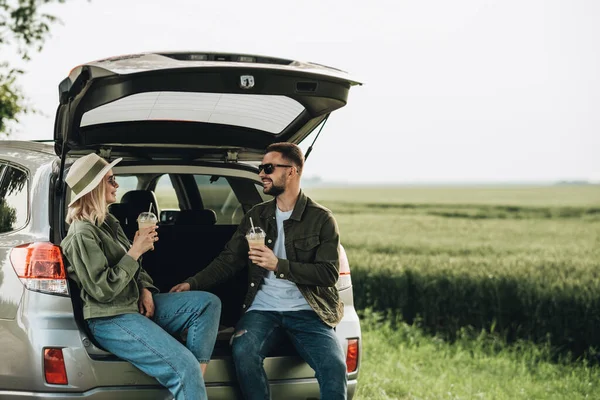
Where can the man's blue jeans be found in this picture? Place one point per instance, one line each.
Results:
(148, 344)
(257, 332)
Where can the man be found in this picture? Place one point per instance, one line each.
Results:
(291, 280)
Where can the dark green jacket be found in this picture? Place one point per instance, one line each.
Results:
(110, 280)
(312, 247)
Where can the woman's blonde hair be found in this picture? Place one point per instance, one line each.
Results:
(91, 207)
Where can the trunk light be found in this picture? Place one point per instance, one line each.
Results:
(54, 366)
(40, 267)
(352, 355)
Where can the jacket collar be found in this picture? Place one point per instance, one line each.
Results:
(269, 210)
(112, 223)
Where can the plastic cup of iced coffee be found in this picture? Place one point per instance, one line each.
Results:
(146, 220)
(255, 237)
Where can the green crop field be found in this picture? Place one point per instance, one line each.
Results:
(488, 292)
(461, 268)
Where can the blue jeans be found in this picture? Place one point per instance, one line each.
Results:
(258, 332)
(149, 346)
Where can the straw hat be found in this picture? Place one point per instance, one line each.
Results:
(86, 173)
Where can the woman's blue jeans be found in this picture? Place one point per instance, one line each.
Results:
(258, 332)
(150, 346)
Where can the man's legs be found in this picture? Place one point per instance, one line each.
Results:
(135, 338)
(318, 345)
(255, 335)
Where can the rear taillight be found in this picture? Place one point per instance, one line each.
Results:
(54, 366)
(352, 355)
(344, 281)
(40, 267)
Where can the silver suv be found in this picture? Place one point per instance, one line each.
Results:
(191, 128)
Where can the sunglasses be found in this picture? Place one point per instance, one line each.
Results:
(112, 180)
(269, 168)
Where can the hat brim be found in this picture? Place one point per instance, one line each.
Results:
(95, 182)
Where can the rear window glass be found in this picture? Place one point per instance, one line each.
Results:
(263, 112)
(126, 183)
(13, 199)
(227, 196)
(165, 194)
(218, 196)
(263, 196)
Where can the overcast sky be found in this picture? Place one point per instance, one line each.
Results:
(463, 90)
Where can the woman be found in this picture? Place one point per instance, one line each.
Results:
(120, 305)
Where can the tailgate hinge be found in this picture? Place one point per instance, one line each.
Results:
(232, 156)
(105, 152)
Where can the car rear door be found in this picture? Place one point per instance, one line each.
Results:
(196, 102)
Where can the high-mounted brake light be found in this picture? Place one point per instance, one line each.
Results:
(198, 57)
(40, 267)
(54, 366)
(246, 59)
(344, 281)
(352, 355)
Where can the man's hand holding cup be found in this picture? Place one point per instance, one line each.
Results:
(258, 253)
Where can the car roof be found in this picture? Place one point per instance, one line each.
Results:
(42, 146)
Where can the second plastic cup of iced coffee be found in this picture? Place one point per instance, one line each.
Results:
(255, 237)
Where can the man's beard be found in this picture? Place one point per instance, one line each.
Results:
(274, 190)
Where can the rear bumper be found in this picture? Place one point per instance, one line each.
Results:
(104, 393)
(298, 389)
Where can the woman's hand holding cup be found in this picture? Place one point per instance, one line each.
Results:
(143, 241)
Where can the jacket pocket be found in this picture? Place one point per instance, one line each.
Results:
(306, 248)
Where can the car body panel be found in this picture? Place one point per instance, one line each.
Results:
(38, 165)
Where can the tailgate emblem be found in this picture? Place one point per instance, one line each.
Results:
(246, 81)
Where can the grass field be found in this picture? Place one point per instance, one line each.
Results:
(520, 264)
(402, 362)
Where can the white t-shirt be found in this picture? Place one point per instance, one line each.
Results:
(279, 294)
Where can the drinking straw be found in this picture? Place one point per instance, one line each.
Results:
(251, 223)
(150, 208)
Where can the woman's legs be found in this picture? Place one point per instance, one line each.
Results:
(149, 345)
(135, 338)
(194, 311)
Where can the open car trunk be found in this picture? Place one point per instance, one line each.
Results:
(192, 108)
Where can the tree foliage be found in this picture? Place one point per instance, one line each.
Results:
(24, 27)
(13, 182)
(8, 216)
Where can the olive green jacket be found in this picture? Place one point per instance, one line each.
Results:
(110, 280)
(312, 248)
